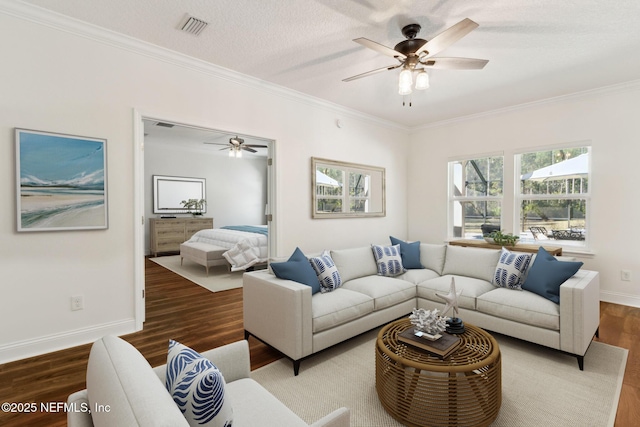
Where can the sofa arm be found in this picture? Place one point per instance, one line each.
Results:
(338, 418)
(278, 312)
(579, 311)
(232, 359)
(78, 415)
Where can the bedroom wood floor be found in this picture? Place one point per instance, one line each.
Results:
(178, 309)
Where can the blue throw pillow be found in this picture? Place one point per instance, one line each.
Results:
(388, 260)
(410, 253)
(511, 269)
(547, 274)
(326, 271)
(298, 269)
(197, 387)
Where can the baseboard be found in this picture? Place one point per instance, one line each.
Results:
(620, 298)
(46, 344)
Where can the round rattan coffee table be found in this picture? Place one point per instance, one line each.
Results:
(418, 388)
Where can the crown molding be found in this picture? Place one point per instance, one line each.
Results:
(604, 90)
(80, 28)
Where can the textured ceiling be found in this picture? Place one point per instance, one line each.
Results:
(537, 49)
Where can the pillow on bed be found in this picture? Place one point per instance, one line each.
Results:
(298, 269)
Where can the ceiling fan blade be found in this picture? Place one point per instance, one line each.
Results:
(254, 145)
(369, 73)
(246, 147)
(447, 37)
(225, 148)
(379, 48)
(213, 143)
(455, 63)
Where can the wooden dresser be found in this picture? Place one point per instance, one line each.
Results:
(165, 235)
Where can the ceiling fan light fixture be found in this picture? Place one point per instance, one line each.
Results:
(422, 80)
(404, 90)
(406, 77)
(405, 81)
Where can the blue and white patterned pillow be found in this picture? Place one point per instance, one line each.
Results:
(511, 269)
(327, 272)
(197, 387)
(388, 259)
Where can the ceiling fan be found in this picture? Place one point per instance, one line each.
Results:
(236, 145)
(417, 55)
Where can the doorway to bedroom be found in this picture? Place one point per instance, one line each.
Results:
(238, 185)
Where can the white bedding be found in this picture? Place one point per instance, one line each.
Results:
(244, 248)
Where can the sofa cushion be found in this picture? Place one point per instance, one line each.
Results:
(418, 275)
(511, 269)
(197, 387)
(385, 291)
(298, 269)
(471, 289)
(340, 306)
(409, 251)
(479, 263)
(547, 274)
(432, 256)
(326, 271)
(355, 262)
(120, 377)
(388, 260)
(255, 406)
(523, 307)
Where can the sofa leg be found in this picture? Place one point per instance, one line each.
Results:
(296, 367)
(247, 334)
(598, 332)
(581, 362)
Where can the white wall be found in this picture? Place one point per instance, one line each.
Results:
(54, 79)
(607, 118)
(236, 189)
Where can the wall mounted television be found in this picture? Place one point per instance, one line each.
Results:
(169, 191)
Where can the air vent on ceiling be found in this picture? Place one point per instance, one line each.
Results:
(193, 25)
(165, 125)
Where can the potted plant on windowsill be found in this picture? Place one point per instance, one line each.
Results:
(194, 206)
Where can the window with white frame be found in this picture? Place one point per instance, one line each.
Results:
(475, 196)
(553, 195)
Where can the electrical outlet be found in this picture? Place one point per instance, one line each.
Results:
(625, 275)
(77, 302)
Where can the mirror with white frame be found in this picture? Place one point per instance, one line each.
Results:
(345, 190)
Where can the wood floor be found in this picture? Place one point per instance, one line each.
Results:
(178, 309)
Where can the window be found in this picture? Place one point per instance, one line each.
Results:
(553, 196)
(475, 196)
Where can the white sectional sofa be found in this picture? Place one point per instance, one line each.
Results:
(287, 316)
(123, 390)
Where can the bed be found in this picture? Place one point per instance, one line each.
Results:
(246, 244)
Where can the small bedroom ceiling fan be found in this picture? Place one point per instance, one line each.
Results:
(236, 145)
(417, 55)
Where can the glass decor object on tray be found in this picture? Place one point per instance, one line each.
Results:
(428, 323)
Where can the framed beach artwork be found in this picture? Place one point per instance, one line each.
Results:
(61, 181)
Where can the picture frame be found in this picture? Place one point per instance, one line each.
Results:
(61, 181)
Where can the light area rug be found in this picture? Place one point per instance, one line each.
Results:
(219, 279)
(540, 386)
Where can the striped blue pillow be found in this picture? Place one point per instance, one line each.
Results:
(511, 269)
(197, 387)
(327, 272)
(388, 259)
